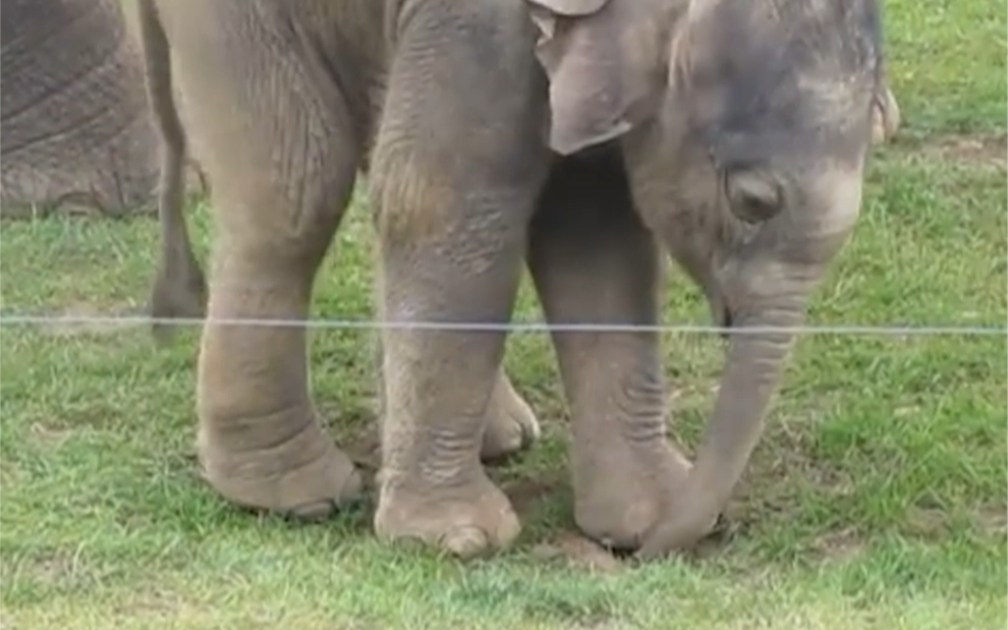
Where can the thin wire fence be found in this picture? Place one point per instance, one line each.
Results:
(528, 326)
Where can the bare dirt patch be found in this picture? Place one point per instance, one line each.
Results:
(48, 436)
(50, 569)
(926, 521)
(154, 603)
(580, 552)
(989, 149)
(563, 544)
(54, 567)
(992, 520)
(843, 544)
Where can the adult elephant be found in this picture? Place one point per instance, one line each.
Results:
(574, 135)
(75, 128)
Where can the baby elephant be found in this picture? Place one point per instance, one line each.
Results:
(574, 136)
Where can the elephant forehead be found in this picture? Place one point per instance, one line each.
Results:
(787, 64)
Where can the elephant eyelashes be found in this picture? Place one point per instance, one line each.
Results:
(754, 196)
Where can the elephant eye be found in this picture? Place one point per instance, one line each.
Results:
(754, 196)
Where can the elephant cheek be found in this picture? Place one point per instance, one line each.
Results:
(810, 237)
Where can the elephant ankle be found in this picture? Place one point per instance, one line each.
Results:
(232, 430)
(429, 479)
(430, 458)
(304, 476)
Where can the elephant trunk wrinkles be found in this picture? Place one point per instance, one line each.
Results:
(770, 296)
(752, 373)
(754, 364)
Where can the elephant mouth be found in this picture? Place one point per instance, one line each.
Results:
(727, 321)
(722, 316)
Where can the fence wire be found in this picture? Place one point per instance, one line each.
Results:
(528, 326)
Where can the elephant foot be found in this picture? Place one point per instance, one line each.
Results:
(625, 496)
(511, 423)
(304, 476)
(467, 520)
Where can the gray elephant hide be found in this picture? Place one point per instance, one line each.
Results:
(75, 130)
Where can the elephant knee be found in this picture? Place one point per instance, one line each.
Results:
(411, 195)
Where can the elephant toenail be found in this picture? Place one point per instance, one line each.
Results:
(466, 542)
(315, 511)
(412, 543)
(352, 488)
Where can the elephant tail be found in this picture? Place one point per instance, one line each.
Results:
(179, 289)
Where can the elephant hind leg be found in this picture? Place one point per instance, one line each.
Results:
(282, 165)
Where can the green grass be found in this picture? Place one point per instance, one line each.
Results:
(877, 498)
(947, 64)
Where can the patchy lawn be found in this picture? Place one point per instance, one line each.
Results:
(876, 500)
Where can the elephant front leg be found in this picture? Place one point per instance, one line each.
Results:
(438, 386)
(439, 383)
(457, 165)
(260, 440)
(593, 262)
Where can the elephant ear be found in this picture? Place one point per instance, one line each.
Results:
(599, 57)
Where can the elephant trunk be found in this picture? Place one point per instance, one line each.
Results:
(754, 364)
(767, 286)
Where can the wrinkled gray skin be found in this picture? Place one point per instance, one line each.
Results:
(731, 132)
(75, 130)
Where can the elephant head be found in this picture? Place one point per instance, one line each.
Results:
(745, 126)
